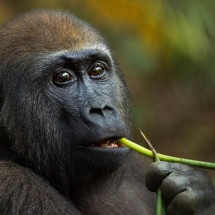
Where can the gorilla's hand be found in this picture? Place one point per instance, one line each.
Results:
(184, 190)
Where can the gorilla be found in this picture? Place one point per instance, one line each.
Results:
(64, 104)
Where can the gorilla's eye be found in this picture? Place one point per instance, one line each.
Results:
(62, 77)
(96, 71)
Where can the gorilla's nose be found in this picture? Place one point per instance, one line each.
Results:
(99, 115)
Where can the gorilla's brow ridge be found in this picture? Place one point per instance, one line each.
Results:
(85, 54)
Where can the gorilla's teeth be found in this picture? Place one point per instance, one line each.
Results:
(109, 145)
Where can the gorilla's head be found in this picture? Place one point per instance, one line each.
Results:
(64, 103)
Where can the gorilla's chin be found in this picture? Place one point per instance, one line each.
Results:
(98, 165)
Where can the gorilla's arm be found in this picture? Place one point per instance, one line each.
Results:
(185, 191)
(23, 192)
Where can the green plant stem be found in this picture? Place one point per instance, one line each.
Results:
(163, 157)
(160, 209)
(159, 206)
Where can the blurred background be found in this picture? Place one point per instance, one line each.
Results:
(167, 51)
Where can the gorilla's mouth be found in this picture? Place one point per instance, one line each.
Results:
(108, 143)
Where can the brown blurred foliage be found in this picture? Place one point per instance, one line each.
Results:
(167, 50)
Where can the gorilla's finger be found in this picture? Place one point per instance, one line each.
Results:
(173, 185)
(188, 202)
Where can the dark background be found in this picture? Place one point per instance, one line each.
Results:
(167, 51)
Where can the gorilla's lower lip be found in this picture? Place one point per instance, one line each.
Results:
(108, 151)
(104, 158)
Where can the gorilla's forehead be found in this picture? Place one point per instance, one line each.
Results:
(49, 32)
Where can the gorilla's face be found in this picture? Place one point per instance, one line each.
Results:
(64, 101)
(85, 91)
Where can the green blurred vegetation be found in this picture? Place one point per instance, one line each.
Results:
(167, 50)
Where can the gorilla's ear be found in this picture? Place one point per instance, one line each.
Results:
(1, 106)
(1, 99)
(4, 140)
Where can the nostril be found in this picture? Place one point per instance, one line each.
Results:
(108, 108)
(96, 110)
